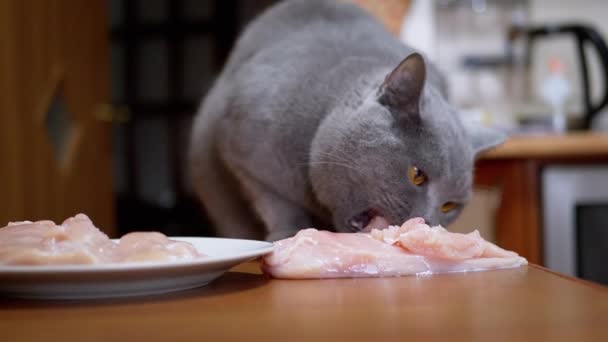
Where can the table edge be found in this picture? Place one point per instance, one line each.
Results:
(571, 278)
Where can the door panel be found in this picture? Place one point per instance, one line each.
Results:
(55, 74)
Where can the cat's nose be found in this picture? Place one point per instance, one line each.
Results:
(431, 220)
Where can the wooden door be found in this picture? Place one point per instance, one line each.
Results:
(54, 76)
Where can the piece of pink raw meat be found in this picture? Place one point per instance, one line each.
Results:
(419, 238)
(413, 248)
(153, 246)
(77, 241)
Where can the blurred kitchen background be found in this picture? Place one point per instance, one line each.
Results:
(536, 69)
(165, 56)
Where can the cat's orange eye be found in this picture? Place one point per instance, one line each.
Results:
(448, 206)
(416, 176)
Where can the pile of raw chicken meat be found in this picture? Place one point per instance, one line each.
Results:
(412, 249)
(78, 241)
(415, 248)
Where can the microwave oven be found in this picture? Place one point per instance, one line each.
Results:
(575, 220)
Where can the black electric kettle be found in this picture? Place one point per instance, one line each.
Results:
(584, 36)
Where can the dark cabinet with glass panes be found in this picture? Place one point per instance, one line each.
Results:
(165, 55)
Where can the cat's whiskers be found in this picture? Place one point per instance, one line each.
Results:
(395, 205)
(341, 158)
(332, 163)
(334, 159)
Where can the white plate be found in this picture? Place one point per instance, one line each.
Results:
(130, 279)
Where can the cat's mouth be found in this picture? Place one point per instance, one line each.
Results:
(368, 220)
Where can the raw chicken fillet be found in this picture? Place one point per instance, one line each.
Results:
(153, 246)
(414, 248)
(78, 241)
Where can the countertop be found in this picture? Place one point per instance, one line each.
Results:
(567, 146)
(527, 303)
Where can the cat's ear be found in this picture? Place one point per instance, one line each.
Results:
(403, 87)
(482, 138)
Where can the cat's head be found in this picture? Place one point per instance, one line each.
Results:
(399, 151)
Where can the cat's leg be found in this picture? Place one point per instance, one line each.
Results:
(218, 189)
(281, 217)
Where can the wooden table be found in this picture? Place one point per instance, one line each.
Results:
(527, 303)
(516, 167)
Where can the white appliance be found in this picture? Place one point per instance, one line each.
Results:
(575, 216)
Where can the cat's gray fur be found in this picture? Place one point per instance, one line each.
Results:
(307, 126)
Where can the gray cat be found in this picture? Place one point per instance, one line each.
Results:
(321, 118)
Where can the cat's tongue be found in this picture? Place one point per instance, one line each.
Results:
(378, 222)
